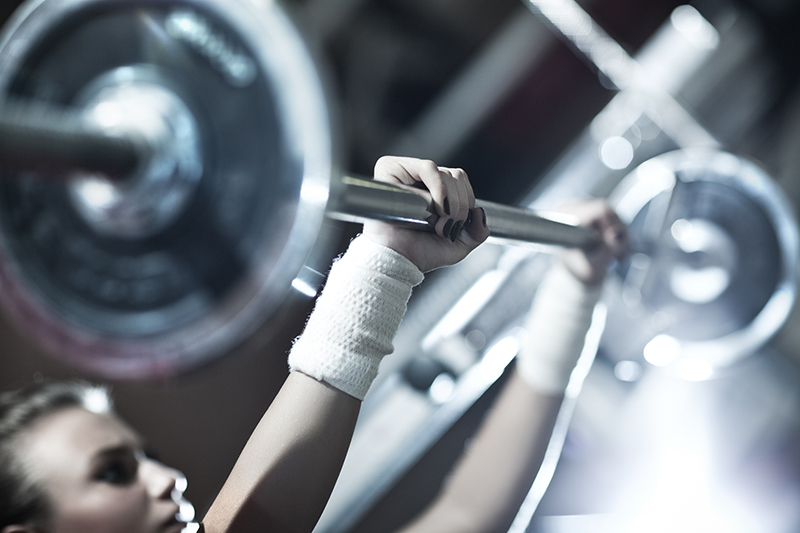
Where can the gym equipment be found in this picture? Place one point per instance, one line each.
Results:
(714, 276)
(168, 165)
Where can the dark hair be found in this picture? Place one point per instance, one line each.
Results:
(22, 500)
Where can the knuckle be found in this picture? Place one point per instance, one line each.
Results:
(426, 165)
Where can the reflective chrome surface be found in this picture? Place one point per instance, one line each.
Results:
(139, 294)
(716, 270)
(137, 101)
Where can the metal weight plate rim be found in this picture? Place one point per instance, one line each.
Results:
(634, 191)
(282, 54)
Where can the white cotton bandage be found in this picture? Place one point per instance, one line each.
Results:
(556, 327)
(356, 317)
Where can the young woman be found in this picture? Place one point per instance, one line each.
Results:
(68, 464)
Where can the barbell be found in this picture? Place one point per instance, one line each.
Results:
(168, 167)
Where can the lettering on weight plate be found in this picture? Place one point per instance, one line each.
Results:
(238, 69)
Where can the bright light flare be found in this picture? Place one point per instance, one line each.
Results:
(697, 30)
(662, 350)
(96, 400)
(628, 371)
(303, 287)
(695, 370)
(616, 153)
(98, 193)
(442, 388)
(679, 481)
(498, 357)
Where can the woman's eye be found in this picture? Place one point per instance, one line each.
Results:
(118, 471)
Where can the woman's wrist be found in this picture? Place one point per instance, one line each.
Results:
(356, 317)
(556, 327)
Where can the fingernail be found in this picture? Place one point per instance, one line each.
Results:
(447, 227)
(484, 217)
(446, 204)
(455, 232)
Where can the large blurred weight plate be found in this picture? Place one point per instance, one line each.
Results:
(714, 270)
(135, 284)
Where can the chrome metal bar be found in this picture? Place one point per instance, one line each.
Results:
(58, 142)
(522, 224)
(358, 199)
(574, 24)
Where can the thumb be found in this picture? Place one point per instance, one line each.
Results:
(476, 230)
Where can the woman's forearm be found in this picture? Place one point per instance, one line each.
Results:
(491, 480)
(286, 472)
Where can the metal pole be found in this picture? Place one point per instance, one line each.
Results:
(359, 199)
(58, 143)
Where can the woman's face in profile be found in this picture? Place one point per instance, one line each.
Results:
(95, 472)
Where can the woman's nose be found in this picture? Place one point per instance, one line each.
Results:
(164, 483)
(161, 480)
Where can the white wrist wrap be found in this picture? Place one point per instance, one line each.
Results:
(356, 317)
(556, 330)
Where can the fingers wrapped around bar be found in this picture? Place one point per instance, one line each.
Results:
(460, 226)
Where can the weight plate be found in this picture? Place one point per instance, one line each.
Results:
(150, 278)
(714, 267)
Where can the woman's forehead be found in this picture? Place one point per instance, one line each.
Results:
(73, 435)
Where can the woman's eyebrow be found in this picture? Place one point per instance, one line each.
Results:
(114, 450)
(141, 446)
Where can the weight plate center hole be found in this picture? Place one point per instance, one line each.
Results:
(705, 263)
(133, 102)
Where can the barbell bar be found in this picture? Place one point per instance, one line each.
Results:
(61, 143)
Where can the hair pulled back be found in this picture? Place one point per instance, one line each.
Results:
(22, 500)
